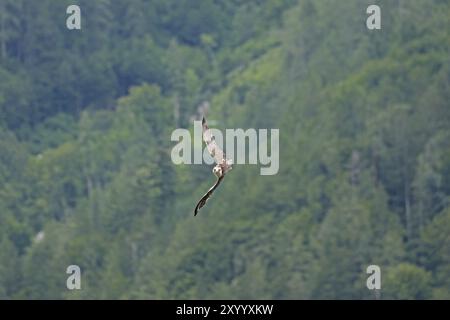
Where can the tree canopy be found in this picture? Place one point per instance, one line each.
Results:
(85, 170)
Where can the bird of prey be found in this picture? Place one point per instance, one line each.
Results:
(222, 167)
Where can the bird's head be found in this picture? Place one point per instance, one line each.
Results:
(217, 170)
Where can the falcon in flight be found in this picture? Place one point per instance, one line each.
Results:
(222, 167)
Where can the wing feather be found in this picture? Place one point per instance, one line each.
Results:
(214, 150)
(207, 195)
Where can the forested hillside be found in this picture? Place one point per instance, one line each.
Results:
(86, 176)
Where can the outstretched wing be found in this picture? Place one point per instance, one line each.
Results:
(203, 200)
(211, 144)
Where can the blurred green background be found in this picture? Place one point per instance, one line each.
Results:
(86, 176)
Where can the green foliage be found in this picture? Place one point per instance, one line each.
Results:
(436, 253)
(406, 281)
(86, 176)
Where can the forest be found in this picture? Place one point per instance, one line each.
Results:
(86, 176)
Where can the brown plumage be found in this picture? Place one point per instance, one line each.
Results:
(203, 200)
(222, 167)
